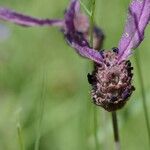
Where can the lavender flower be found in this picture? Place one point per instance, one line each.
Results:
(111, 79)
(74, 20)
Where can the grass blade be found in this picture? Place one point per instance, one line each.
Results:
(93, 5)
(93, 2)
(141, 82)
(96, 129)
(116, 131)
(20, 136)
(41, 112)
(85, 8)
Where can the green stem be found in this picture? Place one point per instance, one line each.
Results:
(92, 21)
(141, 82)
(95, 129)
(20, 137)
(116, 131)
(85, 8)
(91, 43)
(41, 113)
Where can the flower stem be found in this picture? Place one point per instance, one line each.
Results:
(95, 129)
(85, 8)
(92, 21)
(93, 2)
(141, 82)
(40, 112)
(20, 137)
(116, 131)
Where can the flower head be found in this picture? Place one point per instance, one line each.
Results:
(112, 75)
(111, 79)
(111, 82)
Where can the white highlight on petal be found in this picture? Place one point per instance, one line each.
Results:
(126, 35)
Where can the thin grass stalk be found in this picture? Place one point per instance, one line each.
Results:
(41, 112)
(105, 129)
(116, 130)
(141, 82)
(93, 4)
(91, 13)
(96, 129)
(20, 137)
(85, 8)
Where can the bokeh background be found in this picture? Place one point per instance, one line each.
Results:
(39, 72)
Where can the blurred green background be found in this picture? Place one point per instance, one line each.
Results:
(37, 68)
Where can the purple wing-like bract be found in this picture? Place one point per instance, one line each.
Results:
(138, 18)
(74, 25)
(76, 39)
(70, 15)
(24, 20)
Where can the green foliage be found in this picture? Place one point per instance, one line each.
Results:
(67, 123)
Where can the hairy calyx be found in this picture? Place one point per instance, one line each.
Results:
(111, 82)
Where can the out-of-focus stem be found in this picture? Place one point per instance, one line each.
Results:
(85, 8)
(91, 43)
(116, 131)
(141, 82)
(41, 111)
(20, 137)
(92, 21)
(96, 129)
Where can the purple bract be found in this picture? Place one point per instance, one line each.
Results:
(138, 18)
(74, 20)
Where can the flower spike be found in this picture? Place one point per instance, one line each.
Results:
(24, 20)
(111, 78)
(138, 18)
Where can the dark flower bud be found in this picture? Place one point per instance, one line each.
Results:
(115, 50)
(130, 68)
(102, 52)
(90, 79)
(113, 99)
(128, 63)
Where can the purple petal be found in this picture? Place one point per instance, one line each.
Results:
(81, 46)
(14, 17)
(98, 38)
(70, 15)
(138, 18)
(75, 19)
(76, 31)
